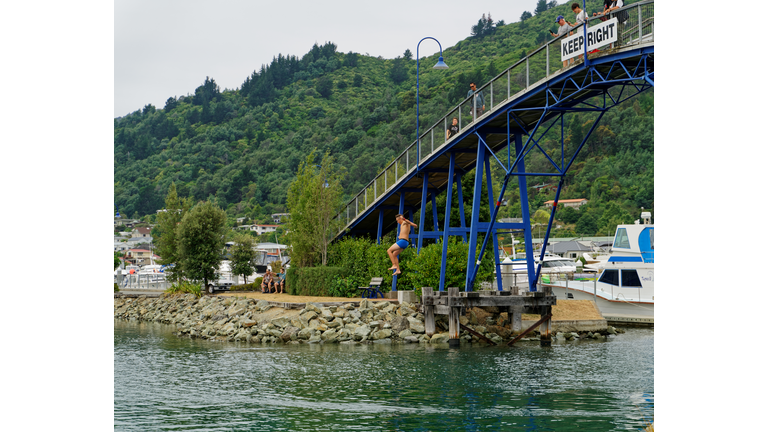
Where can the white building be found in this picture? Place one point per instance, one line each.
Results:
(262, 229)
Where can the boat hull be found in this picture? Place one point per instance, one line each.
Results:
(615, 311)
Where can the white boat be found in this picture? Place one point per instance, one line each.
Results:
(624, 286)
(550, 264)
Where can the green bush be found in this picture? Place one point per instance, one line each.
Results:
(184, 288)
(423, 270)
(117, 288)
(243, 287)
(365, 259)
(313, 281)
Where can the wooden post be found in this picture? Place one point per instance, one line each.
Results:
(546, 326)
(516, 318)
(453, 320)
(429, 312)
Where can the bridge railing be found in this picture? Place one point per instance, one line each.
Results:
(518, 78)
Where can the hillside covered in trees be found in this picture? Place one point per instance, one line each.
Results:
(241, 148)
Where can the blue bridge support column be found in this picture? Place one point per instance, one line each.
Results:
(381, 226)
(475, 218)
(492, 233)
(447, 223)
(423, 211)
(522, 183)
(460, 198)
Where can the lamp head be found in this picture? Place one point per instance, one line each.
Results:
(440, 64)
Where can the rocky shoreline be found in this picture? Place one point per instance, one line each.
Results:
(219, 318)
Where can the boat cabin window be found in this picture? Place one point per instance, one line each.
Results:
(622, 239)
(629, 278)
(610, 277)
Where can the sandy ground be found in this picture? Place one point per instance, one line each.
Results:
(287, 298)
(565, 310)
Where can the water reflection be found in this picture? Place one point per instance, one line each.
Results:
(167, 383)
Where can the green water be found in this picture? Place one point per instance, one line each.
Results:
(166, 383)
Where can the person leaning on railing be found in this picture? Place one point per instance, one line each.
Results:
(564, 29)
(606, 6)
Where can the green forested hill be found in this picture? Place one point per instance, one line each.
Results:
(241, 147)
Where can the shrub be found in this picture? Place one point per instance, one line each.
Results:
(313, 281)
(243, 287)
(184, 288)
(117, 289)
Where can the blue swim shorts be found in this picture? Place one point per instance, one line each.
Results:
(402, 243)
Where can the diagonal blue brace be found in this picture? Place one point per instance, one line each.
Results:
(549, 227)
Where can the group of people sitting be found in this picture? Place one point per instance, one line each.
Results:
(272, 282)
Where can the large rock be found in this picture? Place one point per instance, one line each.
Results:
(381, 334)
(242, 335)
(289, 333)
(362, 332)
(411, 339)
(330, 336)
(405, 334)
(399, 324)
(415, 325)
(280, 322)
(305, 333)
(440, 338)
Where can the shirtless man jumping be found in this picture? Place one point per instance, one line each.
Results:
(402, 242)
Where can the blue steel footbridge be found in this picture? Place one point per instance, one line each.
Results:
(529, 99)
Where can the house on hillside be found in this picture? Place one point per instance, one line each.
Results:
(575, 203)
(567, 249)
(141, 232)
(135, 241)
(279, 218)
(140, 256)
(263, 229)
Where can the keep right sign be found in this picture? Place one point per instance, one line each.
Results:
(597, 36)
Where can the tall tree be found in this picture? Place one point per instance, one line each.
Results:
(201, 239)
(541, 6)
(167, 241)
(314, 199)
(243, 256)
(398, 73)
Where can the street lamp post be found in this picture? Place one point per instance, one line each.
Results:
(440, 65)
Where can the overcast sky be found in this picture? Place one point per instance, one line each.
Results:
(167, 48)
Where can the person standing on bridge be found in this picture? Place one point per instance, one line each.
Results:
(479, 102)
(453, 129)
(563, 30)
(401, 243)
(581, 18)
(606, 5)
